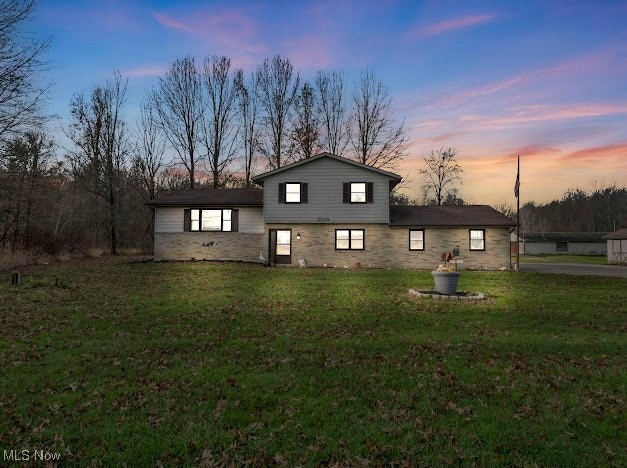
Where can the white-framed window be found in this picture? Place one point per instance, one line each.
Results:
(349, 239)
(195, 220)
(211, 220)
(477, 239)
(358, 192)
(292, 192)
(416, 239)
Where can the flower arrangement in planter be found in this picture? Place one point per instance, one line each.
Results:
(445, 276)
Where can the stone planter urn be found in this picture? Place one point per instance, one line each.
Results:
(446, 281)
(445, 277)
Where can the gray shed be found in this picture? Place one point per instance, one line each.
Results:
(617, 247)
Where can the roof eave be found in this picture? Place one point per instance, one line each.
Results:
(220, 205)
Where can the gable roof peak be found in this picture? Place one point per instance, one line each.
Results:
(322, 155)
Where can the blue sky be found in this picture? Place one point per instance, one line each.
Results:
(546, 80)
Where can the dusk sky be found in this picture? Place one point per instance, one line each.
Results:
(543, 79)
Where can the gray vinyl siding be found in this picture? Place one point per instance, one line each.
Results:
(169, 219)
(172, 219)
(325, 180)
(251, 220)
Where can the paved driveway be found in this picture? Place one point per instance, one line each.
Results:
(576, 269)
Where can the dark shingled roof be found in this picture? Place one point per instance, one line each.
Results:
(466, 215)
(620, 234)
(563, 236)
(211, 197)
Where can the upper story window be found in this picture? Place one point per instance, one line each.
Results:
(477, 239)
(224, 220)
(358, 192)
(416, 239)
(292, 192)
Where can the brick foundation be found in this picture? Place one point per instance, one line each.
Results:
(218, 246)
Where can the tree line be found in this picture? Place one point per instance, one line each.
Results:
(204, 124)
(601, 208)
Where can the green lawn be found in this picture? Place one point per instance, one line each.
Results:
(199, 363)
(589, 259)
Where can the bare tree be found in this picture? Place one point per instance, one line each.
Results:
(99, 134)
(506, 209)
(248, 114)
(376, 139)
(277, 92)
(178, 105)
(453, 198)
(26, 160)
(441, 172)
(148, 152)
(220, 132)
(332, 111)
(305, 133)
(21, 60)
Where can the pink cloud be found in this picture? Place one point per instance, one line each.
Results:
(453, 24)
(543, 113)
(607, 153)
(231, 30)
(479, 91)
(534, 151)
(603, 62)
(429, 125)
(309, 52)
(434, 139)
(142, 71)
(227, 24)
(172, 23)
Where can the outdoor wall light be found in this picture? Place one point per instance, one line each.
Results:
(298, 235)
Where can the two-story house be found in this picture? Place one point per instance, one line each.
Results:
(327, 211)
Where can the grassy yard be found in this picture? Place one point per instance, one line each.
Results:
(588, 259)
(199, 363)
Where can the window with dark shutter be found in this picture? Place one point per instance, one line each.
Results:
(187, 220)
(346, 198)
(282, 192)
(293, 192)
(369, 192)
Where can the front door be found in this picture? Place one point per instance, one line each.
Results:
(282, 240)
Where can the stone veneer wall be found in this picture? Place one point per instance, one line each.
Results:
(387, 247)
(226, 246)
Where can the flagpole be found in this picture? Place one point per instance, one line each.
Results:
(518, 219)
